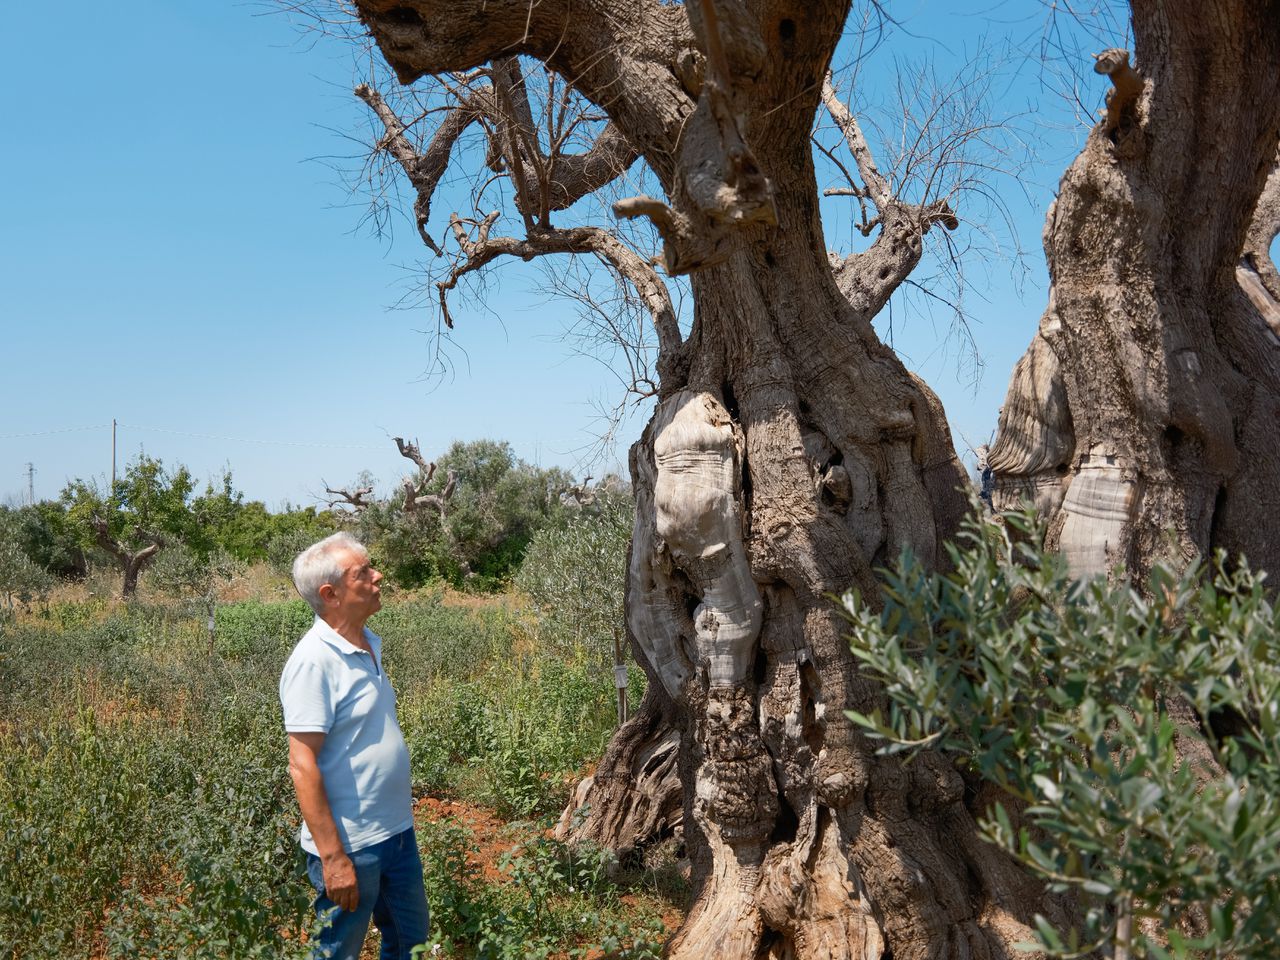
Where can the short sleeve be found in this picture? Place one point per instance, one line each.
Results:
(306, 697)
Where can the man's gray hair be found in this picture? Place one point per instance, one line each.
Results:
(319, 564)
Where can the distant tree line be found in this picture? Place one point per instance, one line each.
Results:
(467, 519)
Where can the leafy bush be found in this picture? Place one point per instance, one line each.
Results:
(254, 625)
(575, 575)
(1140, 727)
(22, 580)
(442, 638)
(145, 805)
(511, 735)
(248, 532)
(44, 535)
(499, 502)
(552, 896)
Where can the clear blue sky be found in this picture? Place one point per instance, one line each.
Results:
(173, 255)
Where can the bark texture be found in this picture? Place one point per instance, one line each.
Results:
(790, 452)
(131, 561)
(1144, 419)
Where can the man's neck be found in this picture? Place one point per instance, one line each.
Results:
(350, 630)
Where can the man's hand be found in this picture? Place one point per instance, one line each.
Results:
(340, 881)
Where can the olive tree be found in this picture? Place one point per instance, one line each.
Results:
(790, 451)
(148, 507)
(1149, 399)
(1133, 725)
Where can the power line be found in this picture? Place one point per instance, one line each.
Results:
(281, 443)
(48, 433)
(536, 444)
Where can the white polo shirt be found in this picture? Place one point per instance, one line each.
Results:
(333, 687)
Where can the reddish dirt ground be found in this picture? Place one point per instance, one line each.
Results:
(492, 837)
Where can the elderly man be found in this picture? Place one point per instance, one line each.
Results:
(349, 762)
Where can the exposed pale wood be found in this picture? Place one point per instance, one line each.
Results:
(357, 498)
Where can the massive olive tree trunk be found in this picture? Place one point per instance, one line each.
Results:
(790, 452)
(1144, 419)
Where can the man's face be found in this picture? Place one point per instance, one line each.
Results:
(357, 593)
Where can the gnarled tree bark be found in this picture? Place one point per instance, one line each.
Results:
(791, 451)
(132, 562)
(1144, 419)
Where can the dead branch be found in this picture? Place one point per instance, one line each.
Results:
(425, 169)
(869, 278)
(599, 50)
(612, 251)
(411, 452)
(415, 495)
(876, 186)
(354, 498)
(415, 499)
(542, 181)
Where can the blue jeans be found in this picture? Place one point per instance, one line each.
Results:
(389, 880)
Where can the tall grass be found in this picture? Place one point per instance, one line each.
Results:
(145, 806)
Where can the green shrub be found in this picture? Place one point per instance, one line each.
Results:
(554, 901)
(498, 503)
(575, 575)
(145, 804)
(72, 817)
(1065, 694)
(252, 625)
(424, 637)
(144, 797)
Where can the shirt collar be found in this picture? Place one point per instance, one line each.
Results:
(342, 644)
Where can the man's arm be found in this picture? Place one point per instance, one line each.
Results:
(304, 768)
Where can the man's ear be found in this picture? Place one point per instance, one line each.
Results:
(327, 592)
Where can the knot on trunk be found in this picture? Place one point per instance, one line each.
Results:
(735, 781)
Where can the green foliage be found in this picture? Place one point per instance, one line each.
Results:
(256, 627)
(575, 575)
(147, 503)
(552, 896)
(498, 504)
(141, 799)
(508, 731)
(46, 537)
(22, 581)
(424, 637)
(152, 505)
(145, 805)
(145, 509)
(1067, 695)
(247, 532)
(181, 572)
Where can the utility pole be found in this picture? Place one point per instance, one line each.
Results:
(113, 456)
(31, 484)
